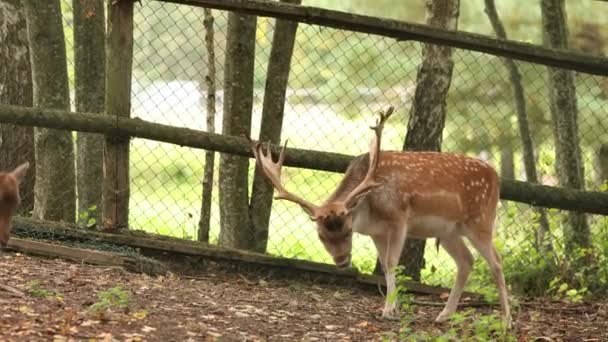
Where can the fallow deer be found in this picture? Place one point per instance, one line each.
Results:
(9, 200)
(389, 195)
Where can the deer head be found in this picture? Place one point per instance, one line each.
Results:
(9, 199)
(334, 218)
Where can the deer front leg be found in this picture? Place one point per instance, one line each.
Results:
(389, 248)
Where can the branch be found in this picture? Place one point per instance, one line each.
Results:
(14, 291)
(408, 31)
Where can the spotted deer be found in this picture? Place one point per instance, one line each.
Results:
(9, 200)
(389, 195)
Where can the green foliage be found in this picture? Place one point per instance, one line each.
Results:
(582, 276)
(87, 218)
(462, 326)
(33, 288)
(548, 271)
(113, 298)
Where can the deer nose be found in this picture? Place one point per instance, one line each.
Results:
(343, 261)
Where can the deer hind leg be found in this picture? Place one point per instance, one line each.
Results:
(483, 244)
(457, 249)
(389, 248)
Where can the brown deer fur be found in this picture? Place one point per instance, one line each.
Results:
(9, 200)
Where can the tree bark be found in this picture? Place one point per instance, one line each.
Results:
(238, 104)
(277, 76)
(204, 224)
(119, 60)
(428, 112)
(55, 192)
(507, 161)
(602, 166)
(543, 241)
(89, 70)
(564, 112)
(16, 142)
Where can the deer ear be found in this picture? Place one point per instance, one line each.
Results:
(19, 171)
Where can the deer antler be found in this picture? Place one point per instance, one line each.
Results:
(272, 170)
(368, 183)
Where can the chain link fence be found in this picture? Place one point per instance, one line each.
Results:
(338, 80)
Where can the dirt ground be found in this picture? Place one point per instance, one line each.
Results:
(53, 300)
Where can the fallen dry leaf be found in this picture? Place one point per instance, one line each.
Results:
(140, 314)
(148, 329)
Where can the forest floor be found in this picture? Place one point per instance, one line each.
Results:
(54, 300)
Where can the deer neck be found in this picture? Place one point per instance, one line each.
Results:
(355, 173)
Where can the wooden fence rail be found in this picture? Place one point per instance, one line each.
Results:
(123, 127)
(409, 31)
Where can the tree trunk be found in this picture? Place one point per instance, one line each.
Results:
(55, 192)
(564, 112)
(602, 166)
(89, 70)
(16, 142)
(119, 54)
(272, 121)
(428, 112)
(543, 241)
(238, 104)
(507, 161)
(204, 224)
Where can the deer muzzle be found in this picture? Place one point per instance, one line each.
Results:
(343, 261)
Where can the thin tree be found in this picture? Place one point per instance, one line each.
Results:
(89, 74)
(16, 142)
(602, 166)
(564, 113)
(543, 241)
(238, 103)
(272, 121)
(55, 193)
(428, 112)
(204, 223)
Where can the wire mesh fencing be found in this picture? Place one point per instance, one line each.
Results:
(338, 80)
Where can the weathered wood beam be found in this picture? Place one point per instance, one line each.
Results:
(167, 245)
(409, 31)
(533, 194)
(88, 256)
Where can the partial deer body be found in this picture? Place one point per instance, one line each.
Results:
(9, 200)
(392, 195)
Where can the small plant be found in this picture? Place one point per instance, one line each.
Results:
(87, 218)
(490, 328)
(34, 289)
(562, 290)
(462, 326)
(115, 297)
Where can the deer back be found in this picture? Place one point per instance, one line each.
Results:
(454, 187)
